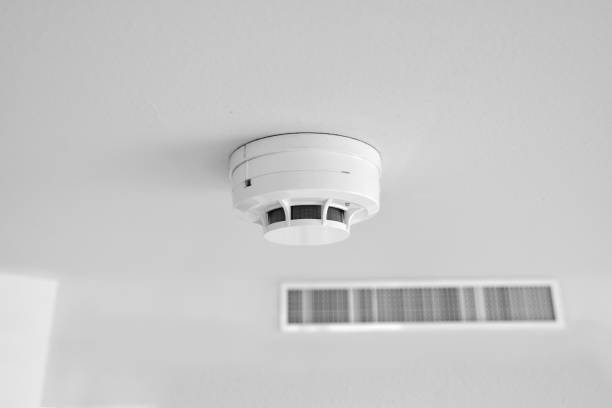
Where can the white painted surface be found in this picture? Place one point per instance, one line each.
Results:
(26, 314)
(493, 119)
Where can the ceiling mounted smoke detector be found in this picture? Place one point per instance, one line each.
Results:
(306, 188)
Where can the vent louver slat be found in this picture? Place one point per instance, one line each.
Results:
(294, 297)
(361, 306)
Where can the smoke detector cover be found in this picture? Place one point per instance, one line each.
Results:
(305, 188)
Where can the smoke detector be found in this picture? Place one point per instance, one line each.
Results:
(305, 188)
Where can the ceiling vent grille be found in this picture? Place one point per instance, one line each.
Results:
(393, 305)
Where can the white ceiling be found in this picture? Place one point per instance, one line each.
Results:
(495, 124)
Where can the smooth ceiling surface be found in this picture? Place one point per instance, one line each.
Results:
(494, 122)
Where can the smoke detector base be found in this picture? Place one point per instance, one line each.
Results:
(307, 234)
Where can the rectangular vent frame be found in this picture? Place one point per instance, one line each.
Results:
(352, 286)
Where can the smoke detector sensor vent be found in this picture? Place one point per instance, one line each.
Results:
(306, 188)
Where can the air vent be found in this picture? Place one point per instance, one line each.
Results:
(393, 305)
